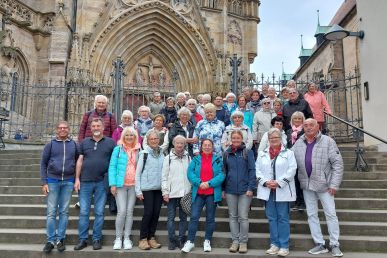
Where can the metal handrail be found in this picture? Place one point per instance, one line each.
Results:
(360, 163)
(356, 128)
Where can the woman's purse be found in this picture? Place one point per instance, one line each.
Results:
(186, 203)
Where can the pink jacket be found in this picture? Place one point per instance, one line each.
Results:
(318, 103)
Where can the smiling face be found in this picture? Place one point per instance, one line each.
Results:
(96, 127)
(210, 115)
(218, 101)
(62, 131)
(158, 123)
(236, 139)
(126, 120)
(153, 140)
(242, 102)
(297, 121)
(100, 105)
(293, 94)
(207, 147)
(237, 120)
(274, 140)
(311, 128)
(130, 138)
(179, 145)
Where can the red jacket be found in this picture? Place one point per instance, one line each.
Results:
(109, 121)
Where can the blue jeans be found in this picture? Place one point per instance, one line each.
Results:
(58, 198)
(88, 189)
(172, 205)
(278, 215)
(197, 207)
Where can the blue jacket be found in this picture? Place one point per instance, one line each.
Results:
(149, 178)
(193, 175)
(117, 166)
(58, 160)
(223, 115)
(240, 171)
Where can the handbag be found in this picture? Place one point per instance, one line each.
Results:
(186, 203)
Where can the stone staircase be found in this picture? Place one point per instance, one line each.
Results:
(361, 206)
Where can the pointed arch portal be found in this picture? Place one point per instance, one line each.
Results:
(155, 30)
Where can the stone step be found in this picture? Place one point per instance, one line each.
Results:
(341, 203)
(343, 193)
(23, 161)
(364, 183)
(222, 225)
(257, 241)
(35, 251)
(32, 168)
(221, 212)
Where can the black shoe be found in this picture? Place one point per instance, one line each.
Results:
(60, 245)
(172, 245)
(48, 247)
(301, 206)
(97, 245)
(81, 245)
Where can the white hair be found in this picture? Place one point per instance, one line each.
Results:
(209, 107)
(191, 101)
(127, 113)
(143, 108)
(180, 94)
(237, 113)
(184, 110)
(206, 97)
(100, 97)
(179, 137)
(230, 94)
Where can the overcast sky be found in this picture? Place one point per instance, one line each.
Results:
(282, 23)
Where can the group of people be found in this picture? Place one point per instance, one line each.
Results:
(258, 144)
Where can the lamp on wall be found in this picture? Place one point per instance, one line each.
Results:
(337, 32)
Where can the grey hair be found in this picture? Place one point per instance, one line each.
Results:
(100, 97)
(180, 94)
(237, 113)
(146, 108)
(230, 94)
(184, 110)
(209, 107)
(191, 101)
(127, 113)
(271, 88)
(206, 97)
(291, 82)
(274, 130)
(177, 137)
(156, 93)
(171, 98)
(152, 133)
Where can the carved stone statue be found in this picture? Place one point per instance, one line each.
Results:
(162, 77)
(139, 80)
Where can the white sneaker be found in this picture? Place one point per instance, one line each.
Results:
(207, 246)
(283, 252)
(117, 244)
(128, 244)
(272, 250)
(188, 246)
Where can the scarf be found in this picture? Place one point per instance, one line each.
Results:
(179, 155)
(274, 152)
(295, 131)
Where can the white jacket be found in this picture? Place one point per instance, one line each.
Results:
(262, 123)
(285, 167)
(174, 181)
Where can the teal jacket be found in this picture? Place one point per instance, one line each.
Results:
(117, 166)
(193, 175)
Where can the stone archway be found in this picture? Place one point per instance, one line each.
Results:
(154, 29)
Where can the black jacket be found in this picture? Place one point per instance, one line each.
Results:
(177, 129)
(299, 104)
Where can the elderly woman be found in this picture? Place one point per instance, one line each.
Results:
(276, 167)
(276, 122)
(248, 115)
(255, 103)
(318, 104)
(239, 186)
(126, 121)
(192, 106)
(122, 173)
(209, 128)
(174, 185)
(180, 100)
(230, 104)
(206, 98)
(184, 127)
(271, 94)
(158, 122)
(237, 124)
(148, 190)
(206, 176)
(277, 107)
(169, 112)
(293, 134)
(284, 95)
(262, 120)
(99, 111)
(143, 123)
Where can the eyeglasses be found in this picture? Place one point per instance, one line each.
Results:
(62, 128)
(266, 103)
(271, 138)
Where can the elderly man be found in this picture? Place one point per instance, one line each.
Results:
(320, 171)
(57, 173)
(294, 104)
(265, 91)
(100, 110)
(91, 174)
(156, 105)
(180, 100)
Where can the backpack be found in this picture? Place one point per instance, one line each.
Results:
(144, 159)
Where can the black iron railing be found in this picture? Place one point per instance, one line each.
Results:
(360, 163)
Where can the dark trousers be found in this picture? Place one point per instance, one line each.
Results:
(299, 192)
(152, 206)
